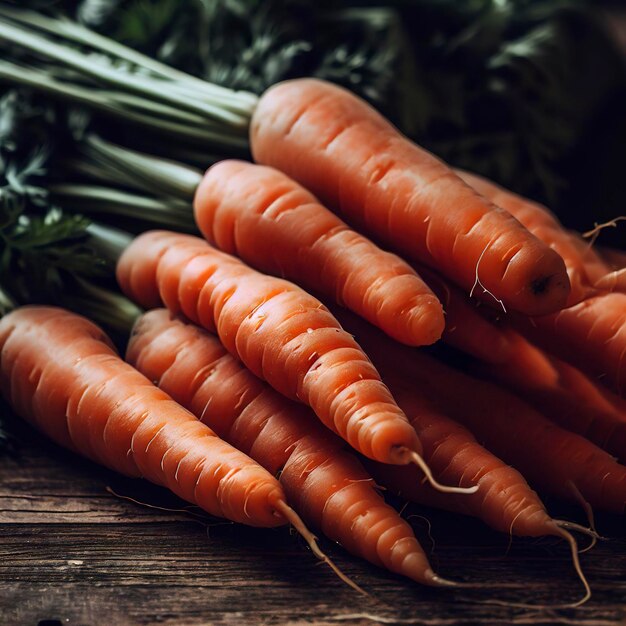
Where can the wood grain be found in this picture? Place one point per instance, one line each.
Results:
(72, 553)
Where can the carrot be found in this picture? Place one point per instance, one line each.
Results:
(549, 457)
(281, 333)
(323, 481)
(590, 335)
(564, 395)
(62, 374)
(584, 265)
(263, 217)
(351, 158)
(466, 329)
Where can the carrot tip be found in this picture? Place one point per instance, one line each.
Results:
(296, 521)
(419, 461)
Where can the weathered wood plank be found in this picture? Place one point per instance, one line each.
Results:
(71, 551)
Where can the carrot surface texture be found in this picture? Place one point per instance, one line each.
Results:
(356, 162)
(282, 334)
(60, 372)
(269, 221)
(428, 395)
(586, 269)
(322, 480)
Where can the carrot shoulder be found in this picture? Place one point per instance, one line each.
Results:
(263, 217)
(60, 372)
(351, 158)
(281, 333)
(324, 482)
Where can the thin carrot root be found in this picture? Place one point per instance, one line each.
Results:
(296, 521)
(561, 532)
(478, 283)
(419, 461)
(594, 233)
(588, 512)
(578, 528)
(186, 510)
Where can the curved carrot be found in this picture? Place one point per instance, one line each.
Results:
(351, 158)
(60, 372)
(322, 480)
(281, 333)
(584, 265)
(269, 221)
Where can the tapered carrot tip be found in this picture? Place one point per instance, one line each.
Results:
(285, 511)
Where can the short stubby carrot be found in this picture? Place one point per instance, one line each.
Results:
(324, 482)
(280, 332)
(356, 162)
(585, 266)
(60, 372)
(266, 219)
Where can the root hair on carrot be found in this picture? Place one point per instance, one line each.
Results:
(594, 233)
(283, 509)
(419, 461)
(588, 512)
(478, 283)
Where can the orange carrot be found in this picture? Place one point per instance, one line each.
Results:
(564, 395)
(323, 481)
(466, 329)
(61, 373)
(281, 333)
(269, 221)
(549, 457)
(590, 335)
(584, 265)
(351, 158)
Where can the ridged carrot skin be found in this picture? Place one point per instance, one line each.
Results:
(281, 333)
(325, 483)
(355, 162)
(584, 265)
(549, 457)
(269, 221)
(590, 335)
(60, 372)
(563, 394)
(504, 500)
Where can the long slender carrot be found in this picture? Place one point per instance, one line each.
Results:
(263, 217)
(549, 457)
(281, 333)
(351, 158)
(60, 372)
(323, 481)
(585, 266)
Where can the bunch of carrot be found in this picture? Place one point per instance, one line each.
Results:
(365, 247)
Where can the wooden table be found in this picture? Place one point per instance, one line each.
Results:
(73, 553)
